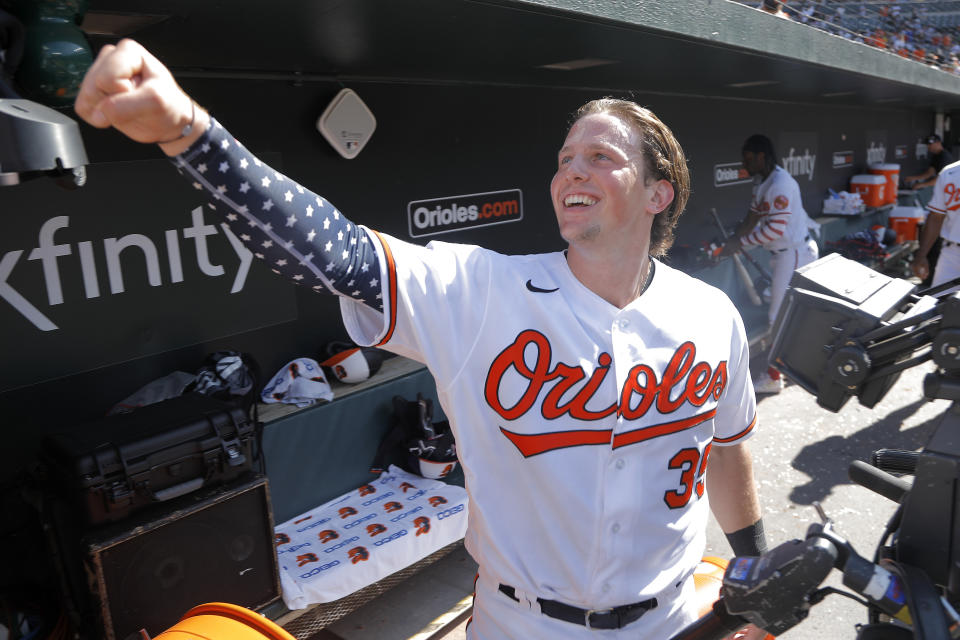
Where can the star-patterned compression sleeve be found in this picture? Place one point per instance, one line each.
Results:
(300, 235)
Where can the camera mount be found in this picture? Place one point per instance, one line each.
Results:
(871, 327)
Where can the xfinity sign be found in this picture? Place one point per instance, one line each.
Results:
(54, 257)
(797, 151)
(132, 265)
(876, 147)
(876, 153)
(799, 163)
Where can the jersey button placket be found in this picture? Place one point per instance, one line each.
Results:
(617, 508)
(621, 324)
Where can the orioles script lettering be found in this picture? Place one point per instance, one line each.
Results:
(683, 378)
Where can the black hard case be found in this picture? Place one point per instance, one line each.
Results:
(119, 464)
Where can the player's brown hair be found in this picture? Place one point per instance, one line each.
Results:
(663, 160)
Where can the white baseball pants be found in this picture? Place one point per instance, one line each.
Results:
(782, 265)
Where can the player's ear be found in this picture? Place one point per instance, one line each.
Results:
(660, 197)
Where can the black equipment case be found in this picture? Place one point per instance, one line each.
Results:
(122, 463)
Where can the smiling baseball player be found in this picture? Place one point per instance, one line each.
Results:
(601, 396)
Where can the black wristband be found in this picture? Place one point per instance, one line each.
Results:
(749, 541)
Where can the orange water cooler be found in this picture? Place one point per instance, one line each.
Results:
(872, 189)
(906, 217)
(224, 621)
(892, 174)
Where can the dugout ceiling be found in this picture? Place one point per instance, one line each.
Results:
(711, 48)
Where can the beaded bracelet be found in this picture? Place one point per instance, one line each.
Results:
(188, 129)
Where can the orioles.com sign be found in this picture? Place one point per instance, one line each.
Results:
(730, 173)
(456, 213)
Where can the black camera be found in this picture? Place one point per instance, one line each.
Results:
(36, 140)
(845, 330)
(49, 59)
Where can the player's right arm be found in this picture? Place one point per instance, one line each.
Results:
(920, 265)
(944, 196)
(297, 232)
(776, 214)
(769, 228)
(929, 175)
(743, 229)
(748, 223)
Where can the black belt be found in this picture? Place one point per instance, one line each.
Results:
(950, 243)
(775, 251)
(613, 618)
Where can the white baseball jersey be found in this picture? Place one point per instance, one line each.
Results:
(783, 221)
(782, 229)
(946, 200)
(584, 430)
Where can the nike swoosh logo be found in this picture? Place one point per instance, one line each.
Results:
(537, 289)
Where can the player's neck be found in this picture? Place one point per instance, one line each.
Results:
(619, 282)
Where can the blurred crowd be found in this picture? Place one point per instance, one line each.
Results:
(924, 30)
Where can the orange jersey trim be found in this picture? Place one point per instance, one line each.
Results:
(391, 289)
(657, 430)
(733, 438)
(537, 443)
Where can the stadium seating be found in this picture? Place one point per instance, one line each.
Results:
(925, 31)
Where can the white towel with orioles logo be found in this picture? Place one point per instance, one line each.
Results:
(365, 535)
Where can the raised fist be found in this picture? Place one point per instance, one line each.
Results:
(129, 89)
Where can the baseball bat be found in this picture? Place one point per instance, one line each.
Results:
(747, 280)
(756, 265)
(739, 266)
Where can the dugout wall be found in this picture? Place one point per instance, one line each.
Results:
(129, 278)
